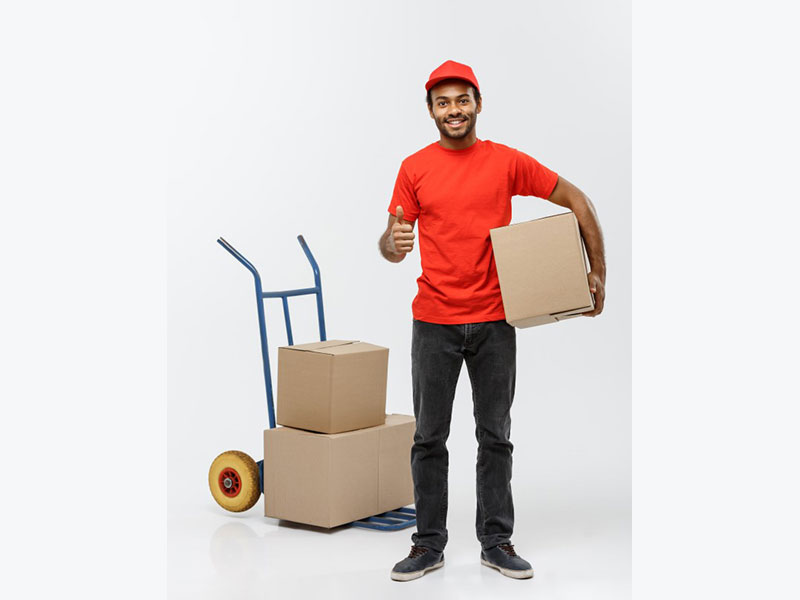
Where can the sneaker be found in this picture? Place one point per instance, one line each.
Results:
(418, 562)
(509, 563)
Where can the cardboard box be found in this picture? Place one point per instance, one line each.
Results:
(332, 386)
(329, 480)
(542, 268)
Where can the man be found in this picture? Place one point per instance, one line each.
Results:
(458, 189)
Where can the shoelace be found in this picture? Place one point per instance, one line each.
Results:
(508, 549)
(417, 551)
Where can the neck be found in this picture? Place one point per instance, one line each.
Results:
(458, 143)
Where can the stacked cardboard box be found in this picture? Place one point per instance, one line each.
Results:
(338, 457)
(542, 268)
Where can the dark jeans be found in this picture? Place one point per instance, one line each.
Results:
(437, 353)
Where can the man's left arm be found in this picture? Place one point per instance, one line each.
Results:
(570, 196)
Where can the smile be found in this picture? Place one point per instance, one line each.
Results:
(456, 123)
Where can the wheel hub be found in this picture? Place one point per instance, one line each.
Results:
(230, 483)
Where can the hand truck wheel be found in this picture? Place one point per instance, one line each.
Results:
(233, 479)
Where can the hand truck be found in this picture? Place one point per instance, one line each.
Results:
(235, 479)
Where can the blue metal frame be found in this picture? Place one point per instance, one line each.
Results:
(388, 521)
(284, 295)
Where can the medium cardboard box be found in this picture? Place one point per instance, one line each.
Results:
(542, 268)
(327, 480)
(332, 386)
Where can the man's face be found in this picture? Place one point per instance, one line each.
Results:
(454, 109)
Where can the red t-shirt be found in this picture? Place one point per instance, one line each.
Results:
(458, 196)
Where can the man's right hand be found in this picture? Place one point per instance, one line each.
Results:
(402, 237)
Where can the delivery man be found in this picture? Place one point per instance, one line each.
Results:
(459, 188)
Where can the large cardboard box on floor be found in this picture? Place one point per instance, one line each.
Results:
(332, 386)
(542, 268)
(332, 479)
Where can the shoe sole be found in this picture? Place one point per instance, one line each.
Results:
(513, 573)
(415, 574)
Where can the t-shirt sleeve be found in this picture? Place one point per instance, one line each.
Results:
(404, 196)
(531, 178)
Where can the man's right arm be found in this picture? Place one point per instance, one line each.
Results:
(398, 239)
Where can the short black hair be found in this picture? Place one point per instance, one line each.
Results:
(475, 92)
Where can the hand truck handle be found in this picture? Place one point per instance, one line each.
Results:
(310, 258)
(238, 256)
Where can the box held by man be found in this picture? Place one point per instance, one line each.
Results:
(542, 269)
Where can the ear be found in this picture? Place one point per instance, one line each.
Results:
(479, 105)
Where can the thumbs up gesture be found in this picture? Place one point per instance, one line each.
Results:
(402, 236)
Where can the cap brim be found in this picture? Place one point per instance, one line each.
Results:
(438, 80)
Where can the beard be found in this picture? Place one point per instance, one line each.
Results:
(456, 134)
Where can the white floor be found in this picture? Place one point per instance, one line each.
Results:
(577, 553)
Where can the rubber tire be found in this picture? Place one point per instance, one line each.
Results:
(248, 473)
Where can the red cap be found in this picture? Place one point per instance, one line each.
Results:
(452, 70)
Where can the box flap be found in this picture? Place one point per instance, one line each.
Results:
(572, 311)
(326, 347)
(532, 321)
(354, 348)
(560, 318)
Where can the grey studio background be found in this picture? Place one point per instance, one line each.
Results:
(293, 119)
